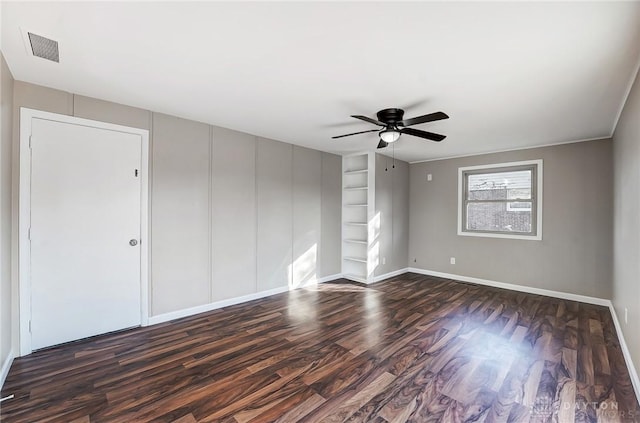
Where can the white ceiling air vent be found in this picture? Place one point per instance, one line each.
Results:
(44, 47)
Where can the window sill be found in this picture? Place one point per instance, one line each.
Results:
(505, 236)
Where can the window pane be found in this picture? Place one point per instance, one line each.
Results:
(499, 185)
(499, 217)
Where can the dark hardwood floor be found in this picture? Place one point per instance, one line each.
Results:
(414, 348)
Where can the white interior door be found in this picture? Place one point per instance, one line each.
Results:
(85, 231)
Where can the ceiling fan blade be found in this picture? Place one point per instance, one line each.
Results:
(368, 119)
(425, 118)
(423, 134)
(355, 133)
(382, 144)
(415, 104)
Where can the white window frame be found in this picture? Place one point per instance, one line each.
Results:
(538, 198)
(510, 208)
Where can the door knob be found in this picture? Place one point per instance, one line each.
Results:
(133, 242)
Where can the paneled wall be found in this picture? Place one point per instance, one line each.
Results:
(275, 213)
(6, 110)
(232, 214)
(179, 214)
(307, 207)
(330, 235)
(392, 205)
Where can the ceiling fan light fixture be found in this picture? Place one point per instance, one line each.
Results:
(389, 135)
(391, 125)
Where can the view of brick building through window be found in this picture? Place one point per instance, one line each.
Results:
(491, 205)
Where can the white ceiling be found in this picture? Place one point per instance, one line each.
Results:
(510, 74)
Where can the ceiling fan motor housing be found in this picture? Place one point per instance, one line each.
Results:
(390, 116)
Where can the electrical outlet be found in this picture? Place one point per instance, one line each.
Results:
(626, 316)
(452, 260)
(384, 260)
(429, 177)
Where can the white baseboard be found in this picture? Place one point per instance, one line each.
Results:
(625, 352)
(329, 278)
(5, 367)
(376, 279)
(161, 318)
(354, 278)
(380, 278)
(514, 287)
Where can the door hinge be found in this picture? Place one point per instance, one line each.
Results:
(29, 326)
(135, 173)
(30, 138)
(29, 234)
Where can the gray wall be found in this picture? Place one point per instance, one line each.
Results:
(230, 212)
(392, 203)
(626, 244)
(275, 213)
(575, 254)
(331, 236)
(6, 111)
(233, 214)
(307, 207)
(179, 214)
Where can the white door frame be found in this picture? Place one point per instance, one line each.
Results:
(24, 219)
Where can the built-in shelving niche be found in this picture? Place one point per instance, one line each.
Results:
(357, 208)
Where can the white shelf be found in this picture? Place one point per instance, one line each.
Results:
(358, 198)
(358, 259)
(356, 241)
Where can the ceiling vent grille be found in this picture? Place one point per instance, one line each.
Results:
(44, 47)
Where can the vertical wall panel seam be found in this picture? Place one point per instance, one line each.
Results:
(392, 250)
(293, 211)
(319, 264)
(255, 206)
(3, 229)
(210, 213)
(150, 215)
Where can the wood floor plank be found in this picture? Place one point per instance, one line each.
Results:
(186, 419)
(298, 412)
(347, 408)
(411, 349)
(566, 412)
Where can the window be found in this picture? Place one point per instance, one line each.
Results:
(501, 200)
